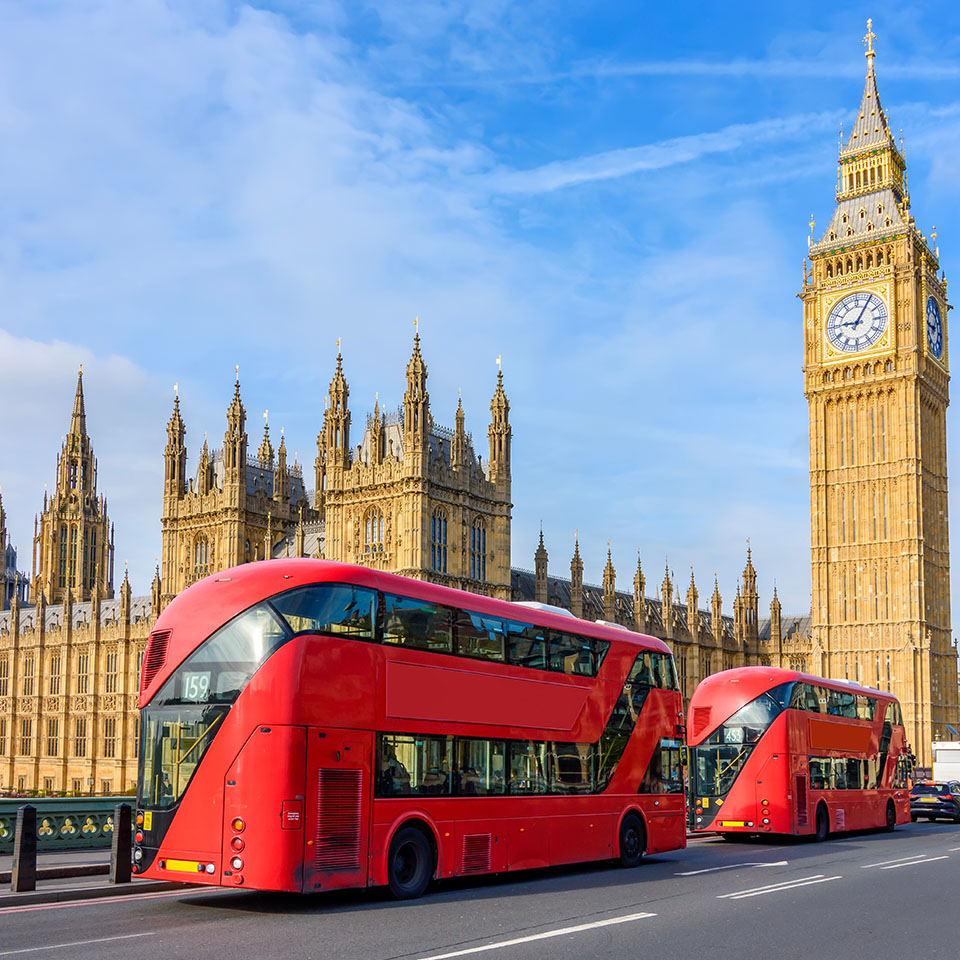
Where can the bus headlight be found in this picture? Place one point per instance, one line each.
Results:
(210, 868)
(138, 854)
(236, 863)
(765, 820)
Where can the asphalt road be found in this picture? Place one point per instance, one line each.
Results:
(874, 895)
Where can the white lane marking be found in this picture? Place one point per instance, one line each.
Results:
(733, 866)
(913, 863)
(564, 931)
(76, 943)
(777, 887)
(883, 863)
(953, 849)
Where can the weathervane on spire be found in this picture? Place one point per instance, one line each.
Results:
(338, 346)
(416, 326)
(868, 40)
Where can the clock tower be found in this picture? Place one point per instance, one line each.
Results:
(876, 376)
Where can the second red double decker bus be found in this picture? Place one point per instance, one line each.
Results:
(781, 752)
(308, 725)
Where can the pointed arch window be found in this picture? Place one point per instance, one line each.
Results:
(478, 550)
(438, 541)
(73, 474)
(373, 531)
(63, 557)
(201, 557)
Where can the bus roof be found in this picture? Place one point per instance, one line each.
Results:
(756, 680)
(726, 692)
(208, 604)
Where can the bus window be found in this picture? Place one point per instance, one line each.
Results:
(480, 769)
(479, 636)
(417, 623)
(577, 655)
(332, 608)
(842, 704)
(526, 645)
(866, 707)
(821, 773)
(664, 773)
(840, 774)
(664, 675)
(571, 767)
(528, 764)
(896, 717)
(804, 697)
(414, 765)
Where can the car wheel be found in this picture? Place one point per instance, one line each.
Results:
(914, 818)
(823, 824)
(409, 864)
(633, 840)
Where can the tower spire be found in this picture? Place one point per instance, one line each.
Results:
(78, 422)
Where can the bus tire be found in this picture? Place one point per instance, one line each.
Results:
(633, 840)
(409, 863)
(891, 823)
(823, 824)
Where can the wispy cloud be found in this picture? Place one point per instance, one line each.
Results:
(656, 156)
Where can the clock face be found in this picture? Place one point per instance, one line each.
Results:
(934, 328)
(857, 322)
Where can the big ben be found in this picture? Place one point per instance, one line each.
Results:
(876, 378)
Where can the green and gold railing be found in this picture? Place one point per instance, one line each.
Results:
(63, 823)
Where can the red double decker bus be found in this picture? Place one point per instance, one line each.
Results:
(308, 725)
(780, 752)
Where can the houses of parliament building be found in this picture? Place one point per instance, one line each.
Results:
(416, 498)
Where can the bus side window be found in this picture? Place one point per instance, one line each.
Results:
(526, 645)
(571, 767)
(528, 765)
(479, 636)
(821, 773)
(332, 608)
(569, 654)
(417, 623)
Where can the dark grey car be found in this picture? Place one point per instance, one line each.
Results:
(934, 800)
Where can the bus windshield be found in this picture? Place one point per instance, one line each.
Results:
(181, 721)
(720, 758)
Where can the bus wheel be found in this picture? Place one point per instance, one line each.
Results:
(891, 816)
(632, 840)
(409, 864)
(823, 824)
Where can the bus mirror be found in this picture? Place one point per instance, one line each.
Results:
(683, 756)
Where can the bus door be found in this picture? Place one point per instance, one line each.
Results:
(337, 812)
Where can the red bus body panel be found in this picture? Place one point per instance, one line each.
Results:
(774, 781)
(305, 725)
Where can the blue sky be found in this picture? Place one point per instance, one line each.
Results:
(613, 196)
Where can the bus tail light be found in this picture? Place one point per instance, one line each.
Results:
(140, 818)
(238, 878)
(237, 843)
(238, 824)
(138, 836)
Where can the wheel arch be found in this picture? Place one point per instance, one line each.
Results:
(425, 823)
(624, 813)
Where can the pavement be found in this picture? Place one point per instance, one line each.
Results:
(72, 875)
(865, 896)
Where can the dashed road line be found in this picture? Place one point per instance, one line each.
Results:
(563, 932)
(913, 863)
(734, 866)
(777, 887)
(887, 863)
